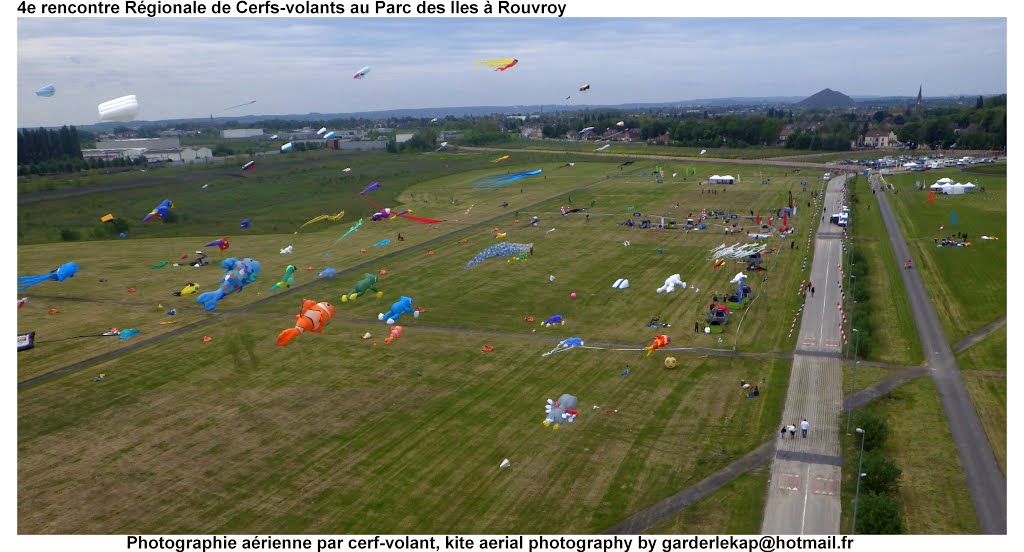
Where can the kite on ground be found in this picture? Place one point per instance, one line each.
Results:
(189, 289)
(221, 244)
(396, 332)
(627, 163)
(248, 166)
(659, 342)
(556, 319)
(620, 123)
(703, 151)
(373, 186)
(350, 230)
(565, 345)
(122, 109)
(562, 410)
(347, 169)
(402, 306)
(274, 137)
(498, 180)
(46, 91)
(362, 72)
(381, 243)
(107, 217)
(237, 275)
(287, 280)
(160, 265)
(502, 158)
(366, 284)
(499, 64)
(59, 274)
(499, 250)
(245, 223)
(312, 317)
(327, 273)
(22, 301)
(160, 211)
(385, 213)
(320, 218)
(287, 250)
(670, 284)
(604, 147)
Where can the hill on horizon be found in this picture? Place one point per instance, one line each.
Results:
(826, 99)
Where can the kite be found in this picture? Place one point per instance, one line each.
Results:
(604, 147)
(287, 280)
(320, 218)
(312, 317)
(565, 345)
(327, 273)
(386, 213)
(703, 151)
(586, 130)
(502, 158)
(567, 165)
(620, 123)
(122, 109)
(621, 283)
(23, 300)
(245, 223)
(242, 105)
(381, 243)
(504, 463)
(237, 275)
(221, 244)
(46, 91)
(200, 260)
(274, 137)
(503, 249)
(498, 180)
(670, 284)
(189, 289)
(500, 64)
(160, 211)
(565, 210)
(659, 342)
(347, 169)
(321, 131)
(362, 72)
(107, 217)
(248, 166)
(366, 284)
(26, 341)
(127, 334)
(329, 135)
(562, 410)
(584, 88)
(556, 319)
(286, 148)
(442, 146)
(403, 305)
(627, 163)
(350, 230)
(396, 332)
(287, 250)
(434, 120)
(161, 265)
(500, 236)
(59, 274)
(373, 186)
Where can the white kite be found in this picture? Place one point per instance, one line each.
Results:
(321, 131)
(702, 152)
(287, 250)
(670, 284)
(604, 147)
(122, 109)
(621, 283)
(504, 463)
(362, 72)
(286, 148)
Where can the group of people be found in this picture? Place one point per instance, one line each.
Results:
(804, 427)
(955, 240)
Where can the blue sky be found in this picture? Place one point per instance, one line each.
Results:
(195, 67)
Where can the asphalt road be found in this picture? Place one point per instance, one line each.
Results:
(985, 481)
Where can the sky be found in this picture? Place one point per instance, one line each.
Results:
(195, 67)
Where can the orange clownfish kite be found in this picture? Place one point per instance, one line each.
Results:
(312, 317)
(659, 342)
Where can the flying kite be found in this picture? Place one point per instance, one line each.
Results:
(286, 148)
(373, 186)
(287, 280)
(385, 213)
(321, 131)
(221, 244)
(502, 158)
(274, 137)
(604, 147)
(248, 166)
(329, 135)
(499, 250)
(500, 64)
(402, 306)
(320, 218)
(498, 180)
(659, 342)
(434, 120)
(237, 275)
(312, 317)
(586, 130)
(122, 109)
(368, 283)
(627, 163)
(354, 227)
(703, 151)
(59, 274)
(562, 410)
(245, 223)
(160, 211)
(584, 88)
(189, 289)
(567, 165)
(381, 243)
(362, 72)
(620, 123)
(442, 146)
(46, 91)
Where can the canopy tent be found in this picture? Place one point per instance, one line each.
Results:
(727, 179)
(955, 189)
(969, 187)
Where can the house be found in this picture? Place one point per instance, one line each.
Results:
(532, 132)
(784, 135)
(242, 133)
(880, 139)
(111, 154)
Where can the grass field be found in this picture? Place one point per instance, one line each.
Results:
(987, 392)
(947, 271)
(736, 509)
(987, 354)
(933, 488)
(337, 434)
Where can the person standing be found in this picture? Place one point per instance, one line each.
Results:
(782, 433)
(804, 426)
(696, 327)
(792, 431)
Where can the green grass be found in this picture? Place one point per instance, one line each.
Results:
(989, 397)
(735, 509)
(962, 309)
(987, 354)
(933, 488)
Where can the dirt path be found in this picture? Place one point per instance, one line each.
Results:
(980, 334)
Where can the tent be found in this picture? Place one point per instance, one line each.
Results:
(727, 179)
(955, 189)
(969, 187)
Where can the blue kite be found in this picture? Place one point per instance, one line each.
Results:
(65, 271)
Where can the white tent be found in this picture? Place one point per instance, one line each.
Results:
(969, 187)
(936, 186)
(947, 188)
(956, 189)
(727, 179)
(946, 180)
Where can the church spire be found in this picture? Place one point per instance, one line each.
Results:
(917, 106)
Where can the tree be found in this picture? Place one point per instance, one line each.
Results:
(879, 514)
(883, 475)
(879, 116)
(876, 430)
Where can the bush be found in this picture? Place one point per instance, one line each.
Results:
(879, 514)
(67, 234)
(876, 430)
(883, 475)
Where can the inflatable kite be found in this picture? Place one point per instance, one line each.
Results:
(360, 74)
(321, 218)
(500, 64)
(312, 317)
(287, 280)
(237, 275)
(22, 301)
(584, 88)
(366, 284)
(46, 91)
(396, 332)
(327, 273)
(59, 274)
(370, 188)
(287, 250)
(560, 411)
(442, 146)
(286, 148)
(565, 345)
(498, 180)
(159, 212)
(245, 223)
(621, 283)
(321, 131)
(659, 342)
(329, 135)
(248, 166)
(671, 283)
(122, 109)
(556, 319)
(221, 244)
(189, 289)
(354, 227)
(503, 249)
(381, 243)
(586, 130)
(604, 147)
(386, 213)
(402, 306)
